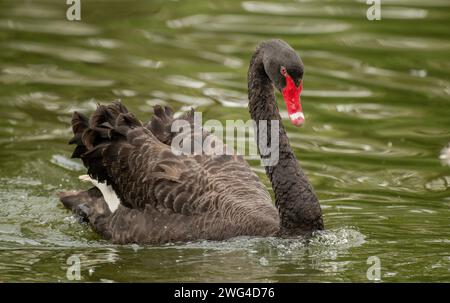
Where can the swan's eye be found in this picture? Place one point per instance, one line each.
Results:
(283, 71)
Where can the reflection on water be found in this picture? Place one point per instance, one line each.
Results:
(305, 8)
(376, 104)
(49, 27)
(445, 155)
(71, 54)
(47, 74)
(255, 24)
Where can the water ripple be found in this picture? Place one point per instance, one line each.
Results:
(50, 27)
(66, 53)
(64, 162)
(394, 42)
(341, 238)
(258, 24)
(445, 155)
(321, 9)
(228, 98)
(184, 81)
(48, 74)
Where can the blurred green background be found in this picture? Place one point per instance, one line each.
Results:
(376, 100)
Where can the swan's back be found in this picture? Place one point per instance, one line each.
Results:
(163, 197)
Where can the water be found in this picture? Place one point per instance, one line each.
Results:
(376, 100)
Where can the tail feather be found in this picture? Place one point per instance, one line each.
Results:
(99, 140)
(160, 125)
(80, 123)
(162, 121)
(93, 137)
(124, 122)
(110, 131)
(108, 143)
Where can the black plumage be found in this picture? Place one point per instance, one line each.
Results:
(167, 198)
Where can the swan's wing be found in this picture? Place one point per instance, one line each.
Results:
(162, 122)
(143, 171)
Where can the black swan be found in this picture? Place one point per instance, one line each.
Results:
(146, 194)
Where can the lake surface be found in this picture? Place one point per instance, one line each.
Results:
(377, 104)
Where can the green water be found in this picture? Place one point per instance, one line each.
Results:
(376, 99)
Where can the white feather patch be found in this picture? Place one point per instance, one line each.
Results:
(108, 192)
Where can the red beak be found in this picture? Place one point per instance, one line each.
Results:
(291, 95)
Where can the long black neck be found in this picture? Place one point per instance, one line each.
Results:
(295, 199)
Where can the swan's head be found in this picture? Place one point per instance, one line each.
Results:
(285, 69)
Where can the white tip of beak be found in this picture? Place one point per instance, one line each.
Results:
(297, 118)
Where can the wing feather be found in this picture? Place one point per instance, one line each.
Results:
(138, 163)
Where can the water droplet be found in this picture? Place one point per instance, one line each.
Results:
(263, 261)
